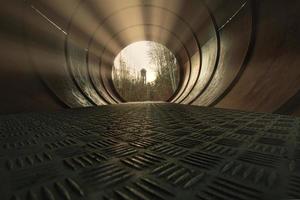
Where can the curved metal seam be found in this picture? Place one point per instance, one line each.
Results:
(227, 22)
(245, 62)
(199, 46)
(218, 50)
(90, 78)
(200, 67)
(217, 56)
(72, 74)
(68, 60)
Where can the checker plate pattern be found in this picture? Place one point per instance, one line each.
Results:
(149, 151)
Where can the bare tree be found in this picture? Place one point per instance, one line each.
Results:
(167, 71)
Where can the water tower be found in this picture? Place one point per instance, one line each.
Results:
(143, 76)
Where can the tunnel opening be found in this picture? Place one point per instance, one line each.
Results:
(220, 135)
(145, 71)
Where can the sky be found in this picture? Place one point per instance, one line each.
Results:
(136, 55)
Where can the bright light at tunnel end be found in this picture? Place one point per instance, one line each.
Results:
(147, 67)
(137, 57)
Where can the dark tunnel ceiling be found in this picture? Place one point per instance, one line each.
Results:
(227, 54)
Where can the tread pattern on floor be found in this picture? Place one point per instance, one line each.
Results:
(149, 151)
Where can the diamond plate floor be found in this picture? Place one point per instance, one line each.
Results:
(149, 151)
